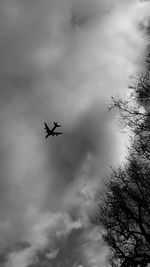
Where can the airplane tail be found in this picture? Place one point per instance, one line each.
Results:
(56, 124)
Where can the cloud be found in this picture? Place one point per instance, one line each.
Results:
(52, 254)
(46, 239)
(21, 258)
(60, 60)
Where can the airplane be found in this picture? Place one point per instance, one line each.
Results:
(51, 131)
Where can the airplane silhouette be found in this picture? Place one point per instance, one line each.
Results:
(50, 132)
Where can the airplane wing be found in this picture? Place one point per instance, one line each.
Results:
(47, 128)
(56, 133)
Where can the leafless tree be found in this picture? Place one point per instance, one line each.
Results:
(124, 208)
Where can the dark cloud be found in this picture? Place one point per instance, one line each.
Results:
(85, 136)
(68, 252)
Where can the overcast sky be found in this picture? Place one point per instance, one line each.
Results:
(61, 60)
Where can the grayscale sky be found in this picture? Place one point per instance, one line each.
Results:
(61, 60)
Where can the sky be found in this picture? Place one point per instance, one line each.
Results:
(61, 61)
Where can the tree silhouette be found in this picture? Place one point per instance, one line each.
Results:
(124, 208)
